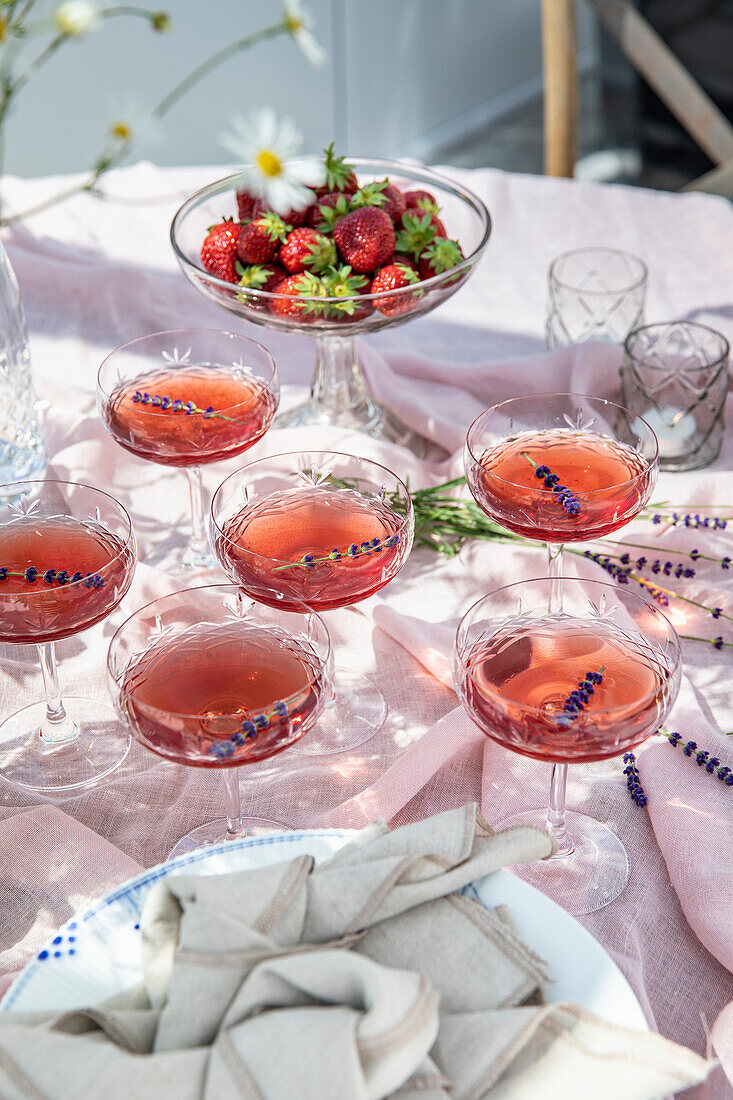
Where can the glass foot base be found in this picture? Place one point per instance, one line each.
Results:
(193, 560)
(355, 714)
(590, 877)
(368, 417)
(100, 746)
(215, 832)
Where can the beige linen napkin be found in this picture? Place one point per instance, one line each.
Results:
(368, 976)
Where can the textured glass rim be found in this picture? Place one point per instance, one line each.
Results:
(640, 281)
(631, 416)
(297, 454)
(638, 360)
(231, 589)
(672, 636)
(268, 385)
(418, 174)
(128, 542)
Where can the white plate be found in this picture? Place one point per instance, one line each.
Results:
(98, 953)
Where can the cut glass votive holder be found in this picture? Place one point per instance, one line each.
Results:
(594, 294)
(675, 376)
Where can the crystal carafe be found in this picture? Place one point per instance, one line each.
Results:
(22, 449)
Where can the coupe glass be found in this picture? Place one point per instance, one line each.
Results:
(595, 294)
(67, 557)
(324, 529)
(208, 678)
(605, 461)
(186, 398)
(586, 683)
(339, 395)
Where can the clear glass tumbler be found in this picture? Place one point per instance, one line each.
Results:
(594, 294)
(675, 376)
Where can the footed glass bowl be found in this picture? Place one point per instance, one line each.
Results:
(339, 395)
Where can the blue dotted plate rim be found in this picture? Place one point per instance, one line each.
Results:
(146, 878)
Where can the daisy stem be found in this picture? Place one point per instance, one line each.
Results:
(213, 62)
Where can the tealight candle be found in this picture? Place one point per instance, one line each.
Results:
(674, 428)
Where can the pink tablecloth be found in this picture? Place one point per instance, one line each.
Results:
(94, 274)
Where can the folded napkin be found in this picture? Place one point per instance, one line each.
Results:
(368, 976)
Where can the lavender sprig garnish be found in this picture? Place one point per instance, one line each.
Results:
(565, 496)
(660, 513)
(693, 555)
(177, 405)
(702, 757)
(356, 550)
(53, 576)
(633, 782)
(250, 728)
(577, 700)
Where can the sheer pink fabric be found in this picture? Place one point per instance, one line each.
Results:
(95, 274)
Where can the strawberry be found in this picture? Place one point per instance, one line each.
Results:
(307, 248)
(440, 256)
(365, 238)
(246, 205)
(418, 231)
(395, 204)
(288, 306)
(340, 176)
(392, 277)
(383, 194)
(423, 200)
(341, 283)
(327, 211)
(259, 277)
(219, 251)
(259, 240)
(404, 258)
(294, 218)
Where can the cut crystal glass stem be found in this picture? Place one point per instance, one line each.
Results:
(556, 811)
(554, 569)
(198, 552)
(235, 826)
(57, 728)
(337, 382)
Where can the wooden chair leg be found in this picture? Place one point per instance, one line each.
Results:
(560, 86)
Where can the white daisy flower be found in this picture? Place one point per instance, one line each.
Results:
(299, 21)
(265, 145)
(132, 121)
(76, 17)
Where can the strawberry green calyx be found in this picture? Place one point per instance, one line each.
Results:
(222, 222)
(416, 234)
(371, 194)
(410, 276)
(253, 276)
(330, 213)
(341, 282)
(310, 286)
(428, 205)
(273, 225)
(322, 254)
(442, 254)
(338, 172)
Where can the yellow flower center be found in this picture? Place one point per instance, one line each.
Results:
(121, 131)
(269, 163)
(293, 24)
(3, 28)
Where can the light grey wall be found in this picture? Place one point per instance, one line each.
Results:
(403, 77)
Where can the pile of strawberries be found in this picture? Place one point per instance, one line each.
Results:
(352, 241)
